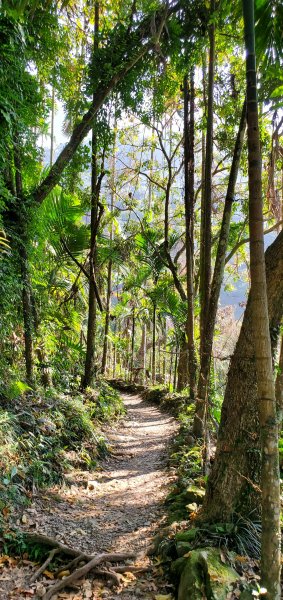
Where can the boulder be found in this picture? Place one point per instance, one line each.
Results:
(183, 548)
(205, 575)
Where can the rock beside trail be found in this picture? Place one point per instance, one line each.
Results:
(202, 574)
(194, 494)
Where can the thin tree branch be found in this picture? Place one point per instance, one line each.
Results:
(246, 240)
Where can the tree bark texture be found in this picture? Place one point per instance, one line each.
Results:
(153, 363)
(279, 383)
(189, 198)
(183, 365)
(270, 476)
(89, 370)
(24, 266)
(234, 483)
(205, 266)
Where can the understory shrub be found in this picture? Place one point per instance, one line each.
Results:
(43, 431)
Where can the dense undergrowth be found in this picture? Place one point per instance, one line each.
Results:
(44, 432)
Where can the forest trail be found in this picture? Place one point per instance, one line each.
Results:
(118, 508)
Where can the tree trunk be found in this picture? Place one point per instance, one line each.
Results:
(234, 483)
(27, 315)
(203, 382)
(203, 145)
(52, 126)
(24, 266)
(133, 345)
(189, 197)
(205, 266)
(183, 365)
(109, 273)
(107, 318)
(175, 367)
(153, 363)
(45, 373)
(279, 383)
(89, 370)
(270, 476)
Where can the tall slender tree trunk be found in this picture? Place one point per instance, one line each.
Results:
(107, 318)
(204, 375)
(141, 356)
(270, 477)
(164, 362)
(189, 168)
(202, 207)
(89, 370)
(171, 368)
(279, 383)
(24, 266)
(176, 366)
(150, 186)
(52, 126)
(206, 214)
(27, 315)
(183, 364)
(109, 270)
(205, 241)
(133, 345)
(153, 359)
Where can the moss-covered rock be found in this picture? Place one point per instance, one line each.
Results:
(191, 586)
(177, 567)
(187, 536)
(205, 575)
(194, 494)
(183, 548)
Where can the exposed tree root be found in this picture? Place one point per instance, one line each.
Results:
(84, 570)
(70, 565)
(131, 569)
(109, 574)
(45, 564)
(44, 540)
(91, 562)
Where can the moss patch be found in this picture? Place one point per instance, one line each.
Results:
(204, 574)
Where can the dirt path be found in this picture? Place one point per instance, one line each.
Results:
(118, 508)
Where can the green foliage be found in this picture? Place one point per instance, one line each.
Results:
(42, 434)
(105, 404)
(242, 535)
